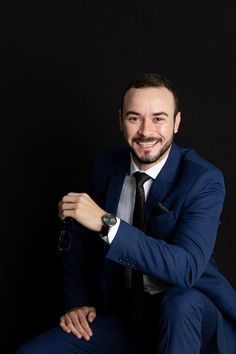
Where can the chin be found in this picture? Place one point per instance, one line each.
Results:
(147, 158)
(150, 157)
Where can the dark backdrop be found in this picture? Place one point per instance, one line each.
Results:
(64, 68)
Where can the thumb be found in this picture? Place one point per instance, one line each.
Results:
(91, 315)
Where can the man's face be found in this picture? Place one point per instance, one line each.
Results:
(148, 124)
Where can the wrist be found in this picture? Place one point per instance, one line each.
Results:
(99, 222)
(108, 220)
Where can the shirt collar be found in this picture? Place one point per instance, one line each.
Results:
(152, 171)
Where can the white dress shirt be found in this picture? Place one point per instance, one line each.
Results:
(125, 212)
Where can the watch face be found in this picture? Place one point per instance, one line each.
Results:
(109, 219)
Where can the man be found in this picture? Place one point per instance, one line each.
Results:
(182, 303)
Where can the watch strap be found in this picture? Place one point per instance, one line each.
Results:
(104, 230)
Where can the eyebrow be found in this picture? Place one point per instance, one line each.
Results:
(154, 114)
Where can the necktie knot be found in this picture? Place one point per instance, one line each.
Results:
(141, 178)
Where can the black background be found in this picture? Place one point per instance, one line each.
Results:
(64, 67)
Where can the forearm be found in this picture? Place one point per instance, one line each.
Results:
(168, 262)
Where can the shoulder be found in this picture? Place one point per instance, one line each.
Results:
(195, 167)
(196, 162)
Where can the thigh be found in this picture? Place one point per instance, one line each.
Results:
(184, 314)
(109, 336)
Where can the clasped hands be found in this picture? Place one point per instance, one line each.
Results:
(83, 209)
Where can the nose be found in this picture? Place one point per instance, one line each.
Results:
(146, 128)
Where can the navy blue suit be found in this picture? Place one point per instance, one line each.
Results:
(176, 246)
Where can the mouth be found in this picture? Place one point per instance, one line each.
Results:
(147, 144)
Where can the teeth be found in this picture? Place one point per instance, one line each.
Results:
(149, 144)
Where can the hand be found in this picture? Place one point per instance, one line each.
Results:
(77, 321)
(83, 209)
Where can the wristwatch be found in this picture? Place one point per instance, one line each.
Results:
(108, 220)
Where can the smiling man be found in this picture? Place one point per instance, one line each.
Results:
(140, 274)
(149, 122)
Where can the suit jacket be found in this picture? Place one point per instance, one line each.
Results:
(182, 216)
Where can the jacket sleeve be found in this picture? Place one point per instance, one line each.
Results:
(81, 262)
(182, 260)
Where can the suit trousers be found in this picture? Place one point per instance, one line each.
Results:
(178, 321)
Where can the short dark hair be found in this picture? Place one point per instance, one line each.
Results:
(151, 80)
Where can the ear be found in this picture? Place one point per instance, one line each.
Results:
(177, 122)
(121, 121)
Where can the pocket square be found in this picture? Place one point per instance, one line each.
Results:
(161, 209)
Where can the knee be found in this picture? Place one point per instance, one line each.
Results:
(181, 303)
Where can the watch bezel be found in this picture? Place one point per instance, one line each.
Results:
(109, 219)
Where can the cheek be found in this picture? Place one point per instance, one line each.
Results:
(128, 132)
(166, 131)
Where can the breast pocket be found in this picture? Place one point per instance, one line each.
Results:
(162, 226)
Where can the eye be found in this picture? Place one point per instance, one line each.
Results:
(159, 119)
(133, 119)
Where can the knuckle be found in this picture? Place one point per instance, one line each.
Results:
(80, 312)
(84, 324)
(81, 330)
(84, 196)
(78, 327)
(80, 198)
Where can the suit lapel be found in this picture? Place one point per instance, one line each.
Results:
(115, 187)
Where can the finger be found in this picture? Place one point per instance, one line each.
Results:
(75, 197)
(71, 203)
(60, 210)
(73, 194)
(78, 326)
(63, 325)
(71, 197)
(68, 213)
(69, 206)
(91, 316)
(75, 331)
(82, 323)
(69, 324)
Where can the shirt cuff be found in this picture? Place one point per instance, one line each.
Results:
(112, 232)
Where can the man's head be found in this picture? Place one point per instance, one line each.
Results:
(149, 118)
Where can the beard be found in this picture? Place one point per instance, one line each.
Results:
(146, 158)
